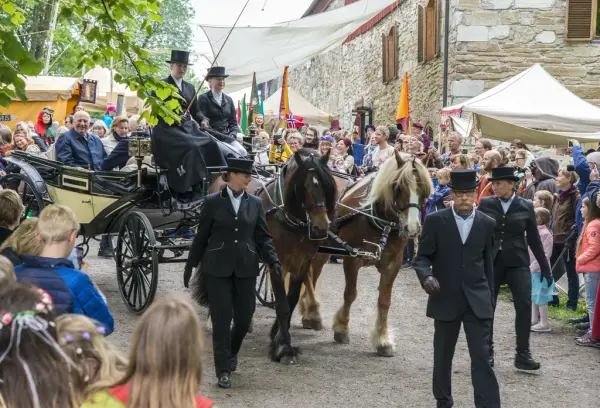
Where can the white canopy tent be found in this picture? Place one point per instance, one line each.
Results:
(267, 50)
(298, 106)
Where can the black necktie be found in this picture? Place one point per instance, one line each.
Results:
(236, 194)
(505, 200)
(464, 216)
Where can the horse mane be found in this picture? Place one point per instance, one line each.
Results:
(390, 176)
(294, 193)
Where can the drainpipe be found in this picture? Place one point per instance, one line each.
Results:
(446, 52)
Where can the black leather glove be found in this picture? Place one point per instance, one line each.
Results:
(276, 267)
(187, 274)
(431, 285)
(549, 279)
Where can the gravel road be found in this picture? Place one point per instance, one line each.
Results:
(333, 375)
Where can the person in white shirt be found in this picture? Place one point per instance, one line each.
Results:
(383, 151)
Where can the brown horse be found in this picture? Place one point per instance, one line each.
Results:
(299, 202)
(385, 202)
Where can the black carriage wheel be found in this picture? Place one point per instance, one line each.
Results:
(264, 290)
(33, 202)
(137, 262)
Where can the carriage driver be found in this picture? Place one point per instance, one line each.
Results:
(218, 107)
(232, 239)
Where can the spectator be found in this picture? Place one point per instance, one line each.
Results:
(7, 272)
(279, 152)
(312, 138)
(415, 146)
(454, 147)
(564, 208)
(325, 145)
(505, 156)
(461, 162)
(165, 361)
(369, 130)
(78, 108)
(22, 242)
(326, 132)
(344, 161)
(78, 148)
(71, 289)
(543, 174)
(440, 196)
(111, 112)
(119, 129)
(97, 362)
(5, 140)
(358, 149)
(294, 140)
(541, 293)
(584, 165)
(69, 122)
(259, 122)
(43, 127)
(367, 161)
(33, 369)
(50, 154)
(518, 145)
(99, 129)
(22, 129)
(490, 161)
(262, 155)
(544, 199)
(588, 260)
(482, 146)
(417, 130)
(523, 158)
(11, 210)
(383, 151)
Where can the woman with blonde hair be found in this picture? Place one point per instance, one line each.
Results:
(22, 242)
(119, 129)
(165, 361)
(100, 129)
(23, 141)
(98, 363)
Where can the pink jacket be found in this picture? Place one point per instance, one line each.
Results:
(547, 241)
(588, 255)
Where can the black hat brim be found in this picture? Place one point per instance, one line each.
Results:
(179, 62)
(237, 170)
(216, 76)
(464, 188)
(508, 178)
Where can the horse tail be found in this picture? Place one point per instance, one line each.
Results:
(198, 289)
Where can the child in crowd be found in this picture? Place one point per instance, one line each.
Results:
(588, 259)
(165, 361)
(7, 272)
(33, 368)
(98, 363)
(544, 199)
(22, 242)
(5, 140)
(541, 294)
(72, 289)
(440, 194)
(11, 210)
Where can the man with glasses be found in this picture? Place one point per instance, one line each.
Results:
(218, 107)
(455, 267)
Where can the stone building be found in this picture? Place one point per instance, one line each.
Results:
(489, 41)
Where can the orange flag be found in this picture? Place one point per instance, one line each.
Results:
(284, 105)
(403, 115)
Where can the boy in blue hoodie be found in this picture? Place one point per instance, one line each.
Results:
(72, 290)
(440, 194)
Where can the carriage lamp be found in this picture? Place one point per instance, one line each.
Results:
(248, 139)
(139, 147)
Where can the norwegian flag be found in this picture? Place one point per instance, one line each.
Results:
(294, 121)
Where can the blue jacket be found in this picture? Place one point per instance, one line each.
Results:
(582, 168)
(118, 157)
(74, 150)
(358, 151)
(72, 291)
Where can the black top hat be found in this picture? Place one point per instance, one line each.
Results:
(181, 57)
(504, 173)
(239, 165)
(216, 72)
(463, 180)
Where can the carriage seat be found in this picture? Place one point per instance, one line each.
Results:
(109, 183)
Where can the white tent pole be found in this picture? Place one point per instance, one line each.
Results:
(51, 40)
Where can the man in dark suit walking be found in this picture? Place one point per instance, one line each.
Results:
(516, 229)
(454, 265)
(218, 107)
(179, 64)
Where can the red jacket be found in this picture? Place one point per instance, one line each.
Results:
(121, 393)
(588, 254)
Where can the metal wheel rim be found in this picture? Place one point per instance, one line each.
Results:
(32, 200)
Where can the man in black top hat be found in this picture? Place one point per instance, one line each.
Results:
(516, 229)
(232, 239)
(179, 64)
(454, 265)
(217, 106)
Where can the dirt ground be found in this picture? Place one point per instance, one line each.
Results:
(333, 375)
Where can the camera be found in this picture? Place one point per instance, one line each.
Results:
(570, 167)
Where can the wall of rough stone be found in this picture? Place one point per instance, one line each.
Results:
(335, 81)
(497, 39)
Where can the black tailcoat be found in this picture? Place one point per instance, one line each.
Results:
(223, 117)
(461, 269)
(188, 92)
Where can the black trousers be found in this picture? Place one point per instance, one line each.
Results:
(477, 331)
(229, 299)
(519, 282)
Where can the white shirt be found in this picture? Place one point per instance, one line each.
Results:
(381, 155)
(464, 225)
(235, 201)
(506, 205)
(178, 82)
(218, 97)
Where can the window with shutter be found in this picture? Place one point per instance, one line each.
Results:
(420, 35)
(389, 62)
(438, 26)
(395, 57)
(384, 58)
(430, 31)
(581, 19)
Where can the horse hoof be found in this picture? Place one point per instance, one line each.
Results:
(306, 324)
(341, 338)
(316, 324)
(288, 360)
(385, 351)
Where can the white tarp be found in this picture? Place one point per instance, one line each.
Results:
(267, 50)
(533, 99)
(298, 106)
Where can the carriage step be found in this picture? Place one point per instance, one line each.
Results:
(333, 251)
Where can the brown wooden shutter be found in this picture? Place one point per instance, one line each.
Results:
(430, 31)
(395, 52)
(384, 57)
(420, 34)
(438, 23)
(581, 20)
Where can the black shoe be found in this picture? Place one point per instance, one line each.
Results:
(407, 265)
(233, 363)
(224, 380)
(106, 253)
(578, 320)
(571, 308)
(583, 326)
(524, 361)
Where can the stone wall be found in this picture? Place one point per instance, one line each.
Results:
(335, 81)
(497, 39)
